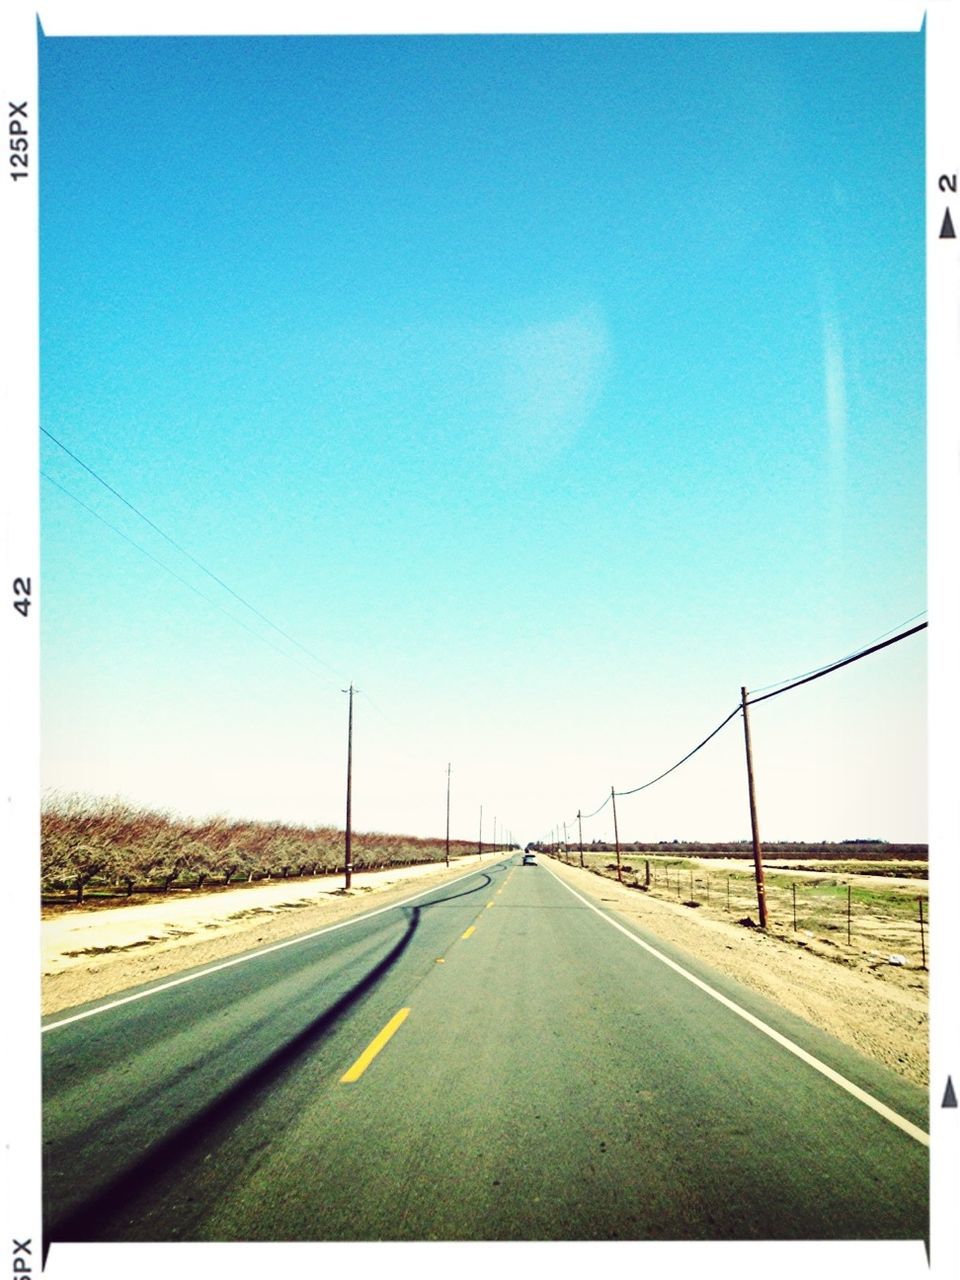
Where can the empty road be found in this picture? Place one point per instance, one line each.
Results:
(493, 1060)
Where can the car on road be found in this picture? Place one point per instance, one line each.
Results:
(529, 860)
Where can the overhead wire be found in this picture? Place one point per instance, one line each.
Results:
(233, 618)
(805, 679)
(723, 723)
(199, 563)
(814, 670)
(835, 666)
(584, 816)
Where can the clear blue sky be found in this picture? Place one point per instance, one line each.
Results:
(549, 388)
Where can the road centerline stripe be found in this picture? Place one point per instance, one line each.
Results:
(860, 1094)
(374, 1047)
(467, 932)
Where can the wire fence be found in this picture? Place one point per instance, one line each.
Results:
(877, 918)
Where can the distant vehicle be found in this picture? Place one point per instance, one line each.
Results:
(529, 860)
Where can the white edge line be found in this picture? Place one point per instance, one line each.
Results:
(881, 1109)
(250, 955)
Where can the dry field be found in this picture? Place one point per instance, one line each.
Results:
(859, 918)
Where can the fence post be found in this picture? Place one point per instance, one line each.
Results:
(757, 855)
(848, 915)
(923, 945)
(794, 888)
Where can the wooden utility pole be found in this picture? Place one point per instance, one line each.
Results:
(580, 829)
(754, 828)
(480, 836)
(616, 833)
(564, 842)
(348, 856)
(494, 833)
(448, 814)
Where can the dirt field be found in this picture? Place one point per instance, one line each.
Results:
(807, 906)
(87, 954)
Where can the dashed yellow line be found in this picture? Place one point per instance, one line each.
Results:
(374, 1047)
(468, 931)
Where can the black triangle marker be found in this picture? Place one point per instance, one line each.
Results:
(946, 231)
(949, 1097)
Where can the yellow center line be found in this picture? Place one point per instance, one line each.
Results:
(490, 903)
(468, 932)
(374, 1047)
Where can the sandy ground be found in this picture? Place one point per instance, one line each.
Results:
(883, 1014)
(91, 953)
(815, 870)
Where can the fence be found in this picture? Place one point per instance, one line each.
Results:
(746, 701)
(843, 914)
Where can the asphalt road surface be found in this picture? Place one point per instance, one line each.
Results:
(493, 1060)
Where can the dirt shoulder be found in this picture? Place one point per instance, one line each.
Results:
(91, 953)
(883, 1020)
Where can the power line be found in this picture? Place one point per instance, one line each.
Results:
(596, 811)
(815, 670)
(200, 565)
(183, 581)
(814, 675)
(835, 666)
(633, 790)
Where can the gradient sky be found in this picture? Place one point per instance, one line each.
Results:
(549, 388)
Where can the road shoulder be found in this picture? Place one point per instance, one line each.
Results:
(88, 955)
(888, 1025)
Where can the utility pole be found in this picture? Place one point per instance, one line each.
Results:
(494, 833)
(755, 831)
(448, 814)
(580, 829)
(348, 856)
(564, 842)
(616, 833)
(480, 836)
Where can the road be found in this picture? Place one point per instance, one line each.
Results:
(550, 1079)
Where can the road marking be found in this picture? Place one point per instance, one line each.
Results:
(861, 1095)
(250, 955)
(441, 960)
(468, 932)
(490, 903)
(374, 1047)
